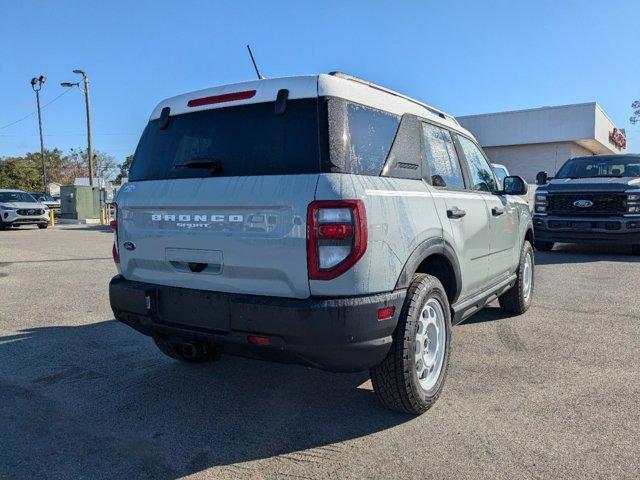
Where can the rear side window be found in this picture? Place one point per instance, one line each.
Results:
(241, 140)
(361, 137)
(442, 158)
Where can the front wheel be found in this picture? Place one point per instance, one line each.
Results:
(635, 249)
(43, 225)
(412, 375)
(518, 299)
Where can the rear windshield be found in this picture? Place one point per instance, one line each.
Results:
(312, 136)
(241, 140)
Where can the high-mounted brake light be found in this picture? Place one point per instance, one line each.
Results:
(336, 237)
(225, 97)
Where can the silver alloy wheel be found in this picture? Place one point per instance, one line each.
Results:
(527, 276)
(430, 343)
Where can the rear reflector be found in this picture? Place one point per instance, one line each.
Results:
(386, 313)
(225, 97)
(261, 341)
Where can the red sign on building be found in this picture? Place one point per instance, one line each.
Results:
(618, 138)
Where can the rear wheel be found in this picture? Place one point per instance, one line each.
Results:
(412, 375)
(635, 249)
(190, 352)
(544, 246)
(518, 299)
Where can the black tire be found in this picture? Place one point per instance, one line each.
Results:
(43, 225)
(4, 226)
(514, 300)
(544, 246)
(635, 249)
(190, 352)
(395, 380)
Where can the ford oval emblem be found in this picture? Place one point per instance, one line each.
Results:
(129, 245)
(583, 203)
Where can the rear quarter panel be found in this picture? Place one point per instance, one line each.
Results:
(400, 215)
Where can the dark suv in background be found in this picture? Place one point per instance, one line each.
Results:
(592, 199)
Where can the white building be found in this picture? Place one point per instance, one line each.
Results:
(528, 141)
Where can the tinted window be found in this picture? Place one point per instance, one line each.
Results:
(8, 197)
(442, 158)
(588, 167)
(242, 140)
(481, 174)
(361, 137)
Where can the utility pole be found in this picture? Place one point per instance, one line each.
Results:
(85, 89)
(36, 85)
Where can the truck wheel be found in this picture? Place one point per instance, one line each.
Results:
(518, 299)
(43, 225)
(635, 249)
(412, 375)
(544, 246)
(191, 352)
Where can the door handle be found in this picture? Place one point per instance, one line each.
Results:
(455, 212)
(496, 212)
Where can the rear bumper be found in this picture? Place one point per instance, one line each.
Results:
(612, 230)
(340, 334)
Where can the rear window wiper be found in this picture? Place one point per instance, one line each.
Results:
(213, 165)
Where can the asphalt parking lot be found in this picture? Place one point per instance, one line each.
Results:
(551, 394)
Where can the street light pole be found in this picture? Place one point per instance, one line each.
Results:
(36, 85)
(85, 81)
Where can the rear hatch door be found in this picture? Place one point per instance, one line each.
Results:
(238, 234)
(218, 194)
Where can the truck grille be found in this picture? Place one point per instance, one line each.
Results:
(603, 204)
(30, 211)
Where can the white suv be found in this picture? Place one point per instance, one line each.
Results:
(19, 208)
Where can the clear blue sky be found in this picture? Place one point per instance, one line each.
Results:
(464, 57)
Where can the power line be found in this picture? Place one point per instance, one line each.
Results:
(34, 112)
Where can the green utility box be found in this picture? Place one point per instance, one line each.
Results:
(79, 202)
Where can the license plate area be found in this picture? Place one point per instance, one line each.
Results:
(581, 225)
(201, 310)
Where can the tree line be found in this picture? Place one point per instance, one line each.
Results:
(25, 172)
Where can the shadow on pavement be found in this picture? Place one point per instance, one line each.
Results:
(487, 314)
(99, 400)
(579, 253)
(84, 228)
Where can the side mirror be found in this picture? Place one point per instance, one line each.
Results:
(541, 178)
(514, 185)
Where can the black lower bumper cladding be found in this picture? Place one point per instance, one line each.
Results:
(337, 334)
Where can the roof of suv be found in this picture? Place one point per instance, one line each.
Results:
(335, 84)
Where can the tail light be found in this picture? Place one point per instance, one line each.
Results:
(336, 237)
(115, 250)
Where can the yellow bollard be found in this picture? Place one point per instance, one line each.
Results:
(52, 218)
(103, 216)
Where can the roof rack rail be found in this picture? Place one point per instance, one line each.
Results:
(433, 110)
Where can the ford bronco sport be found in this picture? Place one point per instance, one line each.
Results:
(592, 199)
(320, 220)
